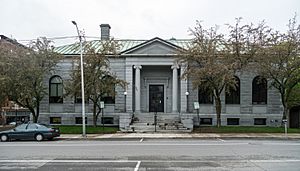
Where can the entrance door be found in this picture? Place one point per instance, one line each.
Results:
(156, 98)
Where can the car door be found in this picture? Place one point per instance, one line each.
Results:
(18, 132)
(30, 131)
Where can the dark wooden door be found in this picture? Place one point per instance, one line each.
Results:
(156, 98)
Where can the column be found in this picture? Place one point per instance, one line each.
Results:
(175, 88)
(137, 88)
(183, 92)
(129, 79)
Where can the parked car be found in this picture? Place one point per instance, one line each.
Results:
(26, 131)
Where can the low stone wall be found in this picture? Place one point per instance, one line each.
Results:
(187, 121)
(125, 121)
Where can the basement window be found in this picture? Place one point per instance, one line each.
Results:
(78, 120)
(233, 121)
(107, 120)
(260, 121)
(205, 121)
(55, 120)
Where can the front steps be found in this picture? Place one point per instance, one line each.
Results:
(168, 123)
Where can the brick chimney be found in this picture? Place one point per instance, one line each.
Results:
(105, 29)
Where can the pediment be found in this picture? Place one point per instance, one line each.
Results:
(154, 46)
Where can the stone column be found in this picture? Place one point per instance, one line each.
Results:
(175, 88)
(137, 88)
(129, 79)
(183, 92)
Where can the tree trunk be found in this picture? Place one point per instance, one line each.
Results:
(37, 112)
(34, 118)
(94, 115)
(218, 110)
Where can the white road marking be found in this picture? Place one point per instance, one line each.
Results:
(275, 161)
(68, 161)
(139, 162)
(220, 139)
(137, 166)
(142, 140)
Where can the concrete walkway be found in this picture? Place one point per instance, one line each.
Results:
(124, 136)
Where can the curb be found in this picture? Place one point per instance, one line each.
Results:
(137, 138)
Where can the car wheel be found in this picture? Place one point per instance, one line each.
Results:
(4, 137)
(39, 137)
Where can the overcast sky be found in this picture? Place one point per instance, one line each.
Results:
(134, 19)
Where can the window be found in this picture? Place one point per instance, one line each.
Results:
(260, 121)
(56, 90)
(233, 121)
(205, 96)
(259, 90)
(31, 127)
(205, 121)
(21, 127)
(55, 120)
(233, 94)
(78, 120)
(109, 96)
(107, 120)
(79, 100)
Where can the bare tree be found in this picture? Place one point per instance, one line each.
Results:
(280, 62)
(99, 80)
(25, 71)
(207, 65)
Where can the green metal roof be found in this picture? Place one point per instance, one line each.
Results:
(124, 45)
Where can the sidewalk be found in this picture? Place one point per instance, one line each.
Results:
(128, 136)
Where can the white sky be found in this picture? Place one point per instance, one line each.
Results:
(134, 19)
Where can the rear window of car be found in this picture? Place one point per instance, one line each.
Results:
(42, 126)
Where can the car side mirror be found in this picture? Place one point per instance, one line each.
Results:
(14, 129)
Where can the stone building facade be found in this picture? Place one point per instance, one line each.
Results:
(155, 85)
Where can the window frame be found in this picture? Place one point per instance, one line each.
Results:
(204, 97)
(55, 117)
(57, 98)
(234, 96)
(259, 91)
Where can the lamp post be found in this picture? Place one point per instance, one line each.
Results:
(187, 102)
(16, 110)
(125, 94)
(82, 82)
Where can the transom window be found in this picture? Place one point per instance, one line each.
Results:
(56, 90)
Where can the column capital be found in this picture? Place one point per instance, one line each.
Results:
(137, 67)
(175, 66)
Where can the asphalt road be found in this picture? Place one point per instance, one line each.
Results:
(150, 155)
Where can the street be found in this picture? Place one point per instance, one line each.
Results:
(151, 154)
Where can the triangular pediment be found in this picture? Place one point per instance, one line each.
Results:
(155, 46)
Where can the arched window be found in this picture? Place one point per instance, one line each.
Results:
(259, 90)
(205, 96)
(56, 90)
(233, 94)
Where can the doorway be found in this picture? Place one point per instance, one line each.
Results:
(295, 117)
(156, 98)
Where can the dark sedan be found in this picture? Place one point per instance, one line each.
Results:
(35, 131)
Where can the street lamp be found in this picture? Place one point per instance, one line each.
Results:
(125, 94)
(82, 81)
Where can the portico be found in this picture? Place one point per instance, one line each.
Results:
(155, 76)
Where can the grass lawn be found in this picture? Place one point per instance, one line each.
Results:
(77, 129)
(244, 129)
